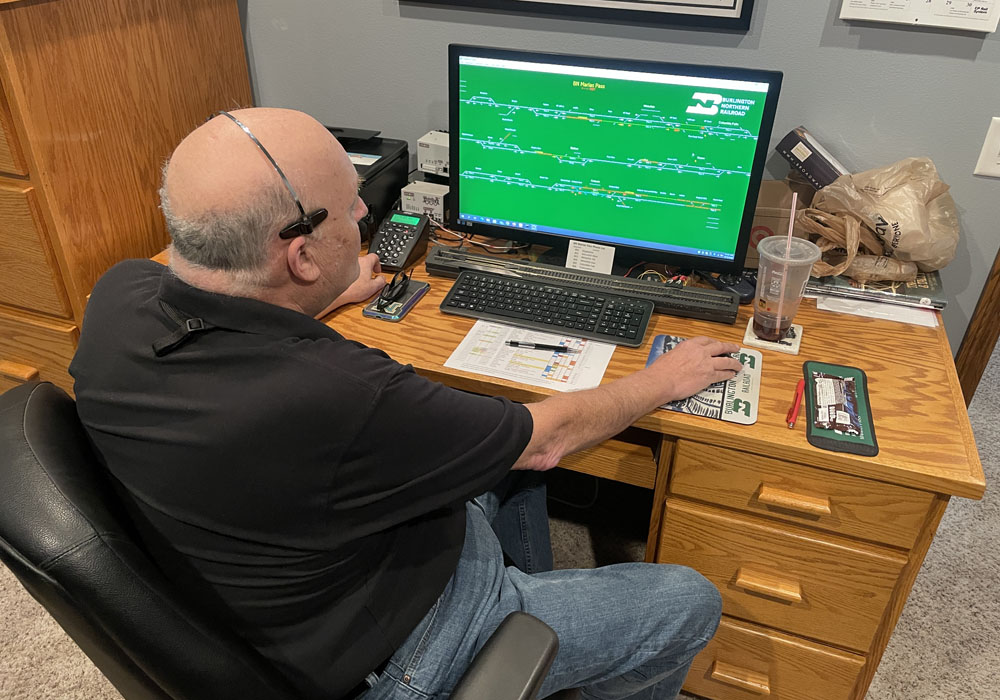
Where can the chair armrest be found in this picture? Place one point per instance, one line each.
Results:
(513, 663)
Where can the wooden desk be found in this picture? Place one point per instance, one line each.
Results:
(814, 552)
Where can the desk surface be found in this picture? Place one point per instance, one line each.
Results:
(921, 423)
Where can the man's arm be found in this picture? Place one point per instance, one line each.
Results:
(567, 423)
(369, 282)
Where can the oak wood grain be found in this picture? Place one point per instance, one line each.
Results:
(664, 459)
(625, 458)
(17, 372)
(795, 501)
(981, 335)
(900, 594)
(103, 91)
(45, 345)
(790, 668)
(29, 278)
(843, 585)
(920, 417)
(756, 683)
(863, 508)
(11, 156)
(769, 584)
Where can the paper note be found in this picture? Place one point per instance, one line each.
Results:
(363, 158)
(590, 257)
(973, 15)
(876, 309)
(484, 350)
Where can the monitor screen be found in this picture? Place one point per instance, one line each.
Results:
(661, 160)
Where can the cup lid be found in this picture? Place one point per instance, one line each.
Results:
(801, 251)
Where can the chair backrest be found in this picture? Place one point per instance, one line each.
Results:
(62, 534)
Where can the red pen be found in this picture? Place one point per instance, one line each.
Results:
(793, 412)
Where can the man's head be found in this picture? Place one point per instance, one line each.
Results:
(225, 205)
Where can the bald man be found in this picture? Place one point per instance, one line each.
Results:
(332, 506)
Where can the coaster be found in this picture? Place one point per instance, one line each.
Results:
(789, 344)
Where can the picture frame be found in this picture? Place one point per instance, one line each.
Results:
(717, 14)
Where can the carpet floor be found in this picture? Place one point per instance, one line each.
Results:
(946, 645)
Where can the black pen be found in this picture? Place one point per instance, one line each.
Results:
(539, 346)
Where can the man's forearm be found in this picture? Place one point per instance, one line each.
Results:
(567, 423)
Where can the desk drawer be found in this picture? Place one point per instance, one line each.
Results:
(629, 457)
(836, 502)
(820, 586)
(746, 662)
(35, 349)
(29, 280)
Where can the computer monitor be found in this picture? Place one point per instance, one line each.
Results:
(663, 161)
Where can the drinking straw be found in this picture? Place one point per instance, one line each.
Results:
(788, 254)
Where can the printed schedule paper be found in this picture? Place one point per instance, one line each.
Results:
(972, 15)
(484, 350)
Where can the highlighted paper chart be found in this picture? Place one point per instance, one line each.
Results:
(484, 350)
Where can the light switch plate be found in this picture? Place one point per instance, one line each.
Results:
(989, 158)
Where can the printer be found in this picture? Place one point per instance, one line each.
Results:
(382, 164)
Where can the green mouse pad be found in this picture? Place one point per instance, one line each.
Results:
(838, 412)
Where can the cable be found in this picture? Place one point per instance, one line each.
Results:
(467, 238)
(460, 238)
(650, 274)
(629, 271)
(509, 248)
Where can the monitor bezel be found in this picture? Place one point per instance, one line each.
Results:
(626, 253)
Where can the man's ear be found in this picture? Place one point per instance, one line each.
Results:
(301, 262)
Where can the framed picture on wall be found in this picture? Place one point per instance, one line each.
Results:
(721, 14)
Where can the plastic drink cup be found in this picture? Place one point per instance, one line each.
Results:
(781, 280)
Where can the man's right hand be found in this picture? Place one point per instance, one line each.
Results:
(693, 365)
(568, 422)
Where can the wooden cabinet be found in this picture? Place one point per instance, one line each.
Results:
(94, 95)
(813, 566)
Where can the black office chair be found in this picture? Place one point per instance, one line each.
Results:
(62, 534)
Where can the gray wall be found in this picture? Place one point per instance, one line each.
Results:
(871, 93)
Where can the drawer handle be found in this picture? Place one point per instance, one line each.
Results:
(810, 505)
(769, 585)
(17, 372)
(752, 681)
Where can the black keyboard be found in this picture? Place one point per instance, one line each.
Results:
(692, 302)
(610, 318)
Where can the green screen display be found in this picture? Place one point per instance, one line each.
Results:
(652, 160)
(403, 219)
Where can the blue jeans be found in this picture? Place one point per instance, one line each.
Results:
(625, 631)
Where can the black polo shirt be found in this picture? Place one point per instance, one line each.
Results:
(304, 486)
